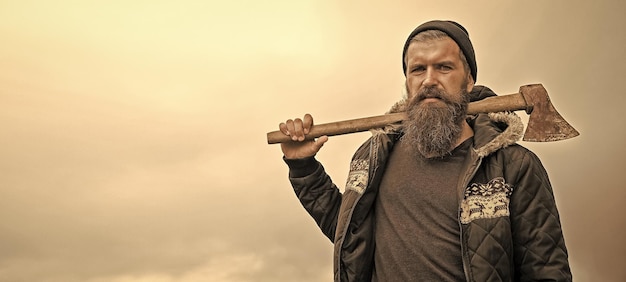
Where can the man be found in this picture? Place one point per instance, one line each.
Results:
(443, 196)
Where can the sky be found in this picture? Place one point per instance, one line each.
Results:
(133, 133)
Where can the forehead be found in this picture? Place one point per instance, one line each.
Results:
(443, 49)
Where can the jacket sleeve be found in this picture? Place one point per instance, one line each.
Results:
(317, 193)
(539, 248)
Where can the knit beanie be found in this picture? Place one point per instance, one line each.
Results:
(456, 31)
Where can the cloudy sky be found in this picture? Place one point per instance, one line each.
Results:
(133, 133)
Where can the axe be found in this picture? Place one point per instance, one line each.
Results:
(545, 124)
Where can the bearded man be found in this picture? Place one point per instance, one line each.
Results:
(441, 197)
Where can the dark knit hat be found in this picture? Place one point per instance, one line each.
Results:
(456, 31)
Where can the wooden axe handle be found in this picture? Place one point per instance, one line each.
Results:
(341, 127)
(511, 102)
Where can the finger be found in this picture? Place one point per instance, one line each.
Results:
(290, 129)
(283, 128)
(319, 142)
(307, 123)
(299, 133)
(322, 139)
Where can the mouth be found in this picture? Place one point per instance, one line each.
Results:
(430, 99)
(430, 94)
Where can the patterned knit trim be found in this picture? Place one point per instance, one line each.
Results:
(489, 200)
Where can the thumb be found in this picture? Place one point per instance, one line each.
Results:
(319, 142)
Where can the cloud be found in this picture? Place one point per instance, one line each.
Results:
(133, 135)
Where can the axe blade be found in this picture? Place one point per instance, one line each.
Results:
(545, 124)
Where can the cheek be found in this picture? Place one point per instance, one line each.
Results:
(412, 81)
(411, 86)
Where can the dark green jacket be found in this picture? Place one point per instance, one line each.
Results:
(509, 223)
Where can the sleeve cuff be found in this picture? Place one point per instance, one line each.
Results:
(301, 167)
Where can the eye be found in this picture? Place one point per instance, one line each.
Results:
(418, 69)
(445, 67)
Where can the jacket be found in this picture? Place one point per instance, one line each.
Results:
(508, 219)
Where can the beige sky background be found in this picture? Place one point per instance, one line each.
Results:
(132, 133)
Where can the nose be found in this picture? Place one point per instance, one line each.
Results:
(430, 78)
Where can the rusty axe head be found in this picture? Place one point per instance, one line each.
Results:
(545, 124)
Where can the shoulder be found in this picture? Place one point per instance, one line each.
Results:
(517, 153)
(495, 131)
(514, 155)
(520, 166)
(378, 142)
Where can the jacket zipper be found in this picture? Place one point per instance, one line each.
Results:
(373, 156)
(465, 183)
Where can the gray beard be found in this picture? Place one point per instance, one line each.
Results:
(434, 129)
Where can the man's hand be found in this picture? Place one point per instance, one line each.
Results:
(297, 129)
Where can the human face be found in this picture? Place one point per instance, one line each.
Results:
(436, 64)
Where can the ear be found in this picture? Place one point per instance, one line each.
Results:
(470, 83)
